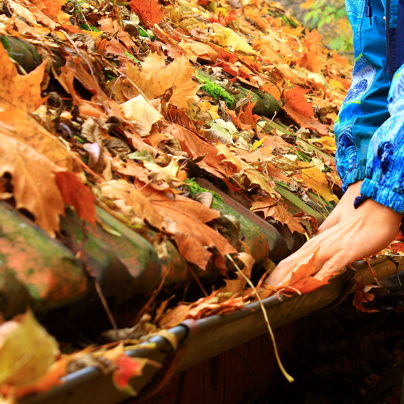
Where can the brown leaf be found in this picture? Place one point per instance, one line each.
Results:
(362, 295)
(186, 219)
(35, 188)
(76, 194)
(271, 208)
(16, 91)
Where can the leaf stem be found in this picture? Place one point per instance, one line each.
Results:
(289, 378)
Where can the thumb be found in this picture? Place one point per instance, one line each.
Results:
(334, 265)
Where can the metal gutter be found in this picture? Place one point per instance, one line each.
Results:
(205, 338)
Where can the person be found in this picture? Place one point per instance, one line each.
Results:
(369, 134)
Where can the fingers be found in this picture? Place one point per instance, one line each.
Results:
(334, 265)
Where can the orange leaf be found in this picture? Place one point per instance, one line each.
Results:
(294, 100)
(51, 8)
(302, 278)
(148, 11)
(76, 194)
(16, 91)
(362, 295)
(248, 118)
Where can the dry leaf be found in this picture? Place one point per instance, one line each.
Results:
(34, 185)
(76, 194)
(16, 91)
(149, 11)
(141, 114)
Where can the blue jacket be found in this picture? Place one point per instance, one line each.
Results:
(370, 126)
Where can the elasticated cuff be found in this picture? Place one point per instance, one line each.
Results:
(357, 174)
(383, 195)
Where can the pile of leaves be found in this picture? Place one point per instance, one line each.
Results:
(121, 104)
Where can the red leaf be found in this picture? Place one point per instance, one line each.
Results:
(76, 194)
(127, 368)
(148, 11)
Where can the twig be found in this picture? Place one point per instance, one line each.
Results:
(197, 281)
(278, 359)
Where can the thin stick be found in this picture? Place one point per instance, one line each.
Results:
(278, 359)
(197, 281)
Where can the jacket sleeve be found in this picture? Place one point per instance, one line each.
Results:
(384, 177)
(365, 107)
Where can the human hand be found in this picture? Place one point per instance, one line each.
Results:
(369, 229)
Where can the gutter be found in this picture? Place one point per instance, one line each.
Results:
(203, 339)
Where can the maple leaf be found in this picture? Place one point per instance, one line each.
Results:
(16, 91)
(76, 194)
(271, 208)
(247, 117)
(314, 178)
(156, 79)
(148, 11)
(141, 114)
(127, 369)
(302, 279)
(186, 219)
(294, 99)
(34, 185)
(362, 295)
(16, 123)
(51, 8)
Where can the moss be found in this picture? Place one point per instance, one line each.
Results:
(195, 189)
(216, 92)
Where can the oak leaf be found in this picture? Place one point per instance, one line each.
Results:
(148, 11)
(76, 194)
(141, 114)
(34, 185)
(16, 91)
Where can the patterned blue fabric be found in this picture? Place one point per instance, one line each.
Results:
(370, 126)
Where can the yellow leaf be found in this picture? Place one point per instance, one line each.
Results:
(27, 351)
(307, 4)
(258, 143)
(212, 109)
(328, 142)
(335, 84)
(141, 114)
(315, 179)
(227, 37)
